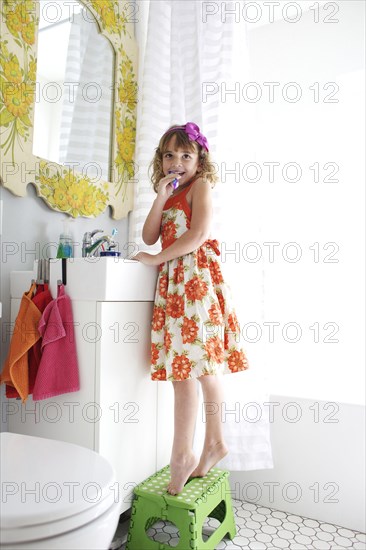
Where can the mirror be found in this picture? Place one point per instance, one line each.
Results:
(73, 183)
(74, 103)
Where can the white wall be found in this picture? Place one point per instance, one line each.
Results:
(310, 292)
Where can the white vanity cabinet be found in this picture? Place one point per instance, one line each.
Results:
(119, 411)
(126, 433)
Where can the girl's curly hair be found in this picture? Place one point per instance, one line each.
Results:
(208, 169)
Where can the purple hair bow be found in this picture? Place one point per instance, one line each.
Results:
(193, 132)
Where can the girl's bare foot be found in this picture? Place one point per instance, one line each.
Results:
(210, 456)
(180, 468)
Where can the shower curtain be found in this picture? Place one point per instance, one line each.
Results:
(186, 55)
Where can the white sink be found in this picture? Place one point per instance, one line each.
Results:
(105, 279)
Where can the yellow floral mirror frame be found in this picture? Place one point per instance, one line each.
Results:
(62, 188)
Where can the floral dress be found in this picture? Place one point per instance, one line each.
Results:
(194, 329)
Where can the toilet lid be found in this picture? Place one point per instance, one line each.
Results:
(49, 487)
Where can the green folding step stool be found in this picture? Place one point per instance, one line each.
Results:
(201, 497)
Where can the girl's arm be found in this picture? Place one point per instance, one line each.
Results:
(199, 231)
(151, 229)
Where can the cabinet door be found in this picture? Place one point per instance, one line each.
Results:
(126, 430)
(68, 417)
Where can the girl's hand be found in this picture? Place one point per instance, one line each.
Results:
(146, 258)
(164, 187)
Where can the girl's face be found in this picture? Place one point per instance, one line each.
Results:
(180, 161)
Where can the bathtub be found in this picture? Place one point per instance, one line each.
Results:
(319, 462)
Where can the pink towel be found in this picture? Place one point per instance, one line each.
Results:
(58, 371)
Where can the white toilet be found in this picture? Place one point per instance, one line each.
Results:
(55, 495)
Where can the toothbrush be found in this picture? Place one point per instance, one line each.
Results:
(174, 183)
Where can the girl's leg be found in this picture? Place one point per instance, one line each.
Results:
(214, 448)
(183, 460)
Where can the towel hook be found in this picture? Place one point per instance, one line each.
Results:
(41, 272)
(64, 273)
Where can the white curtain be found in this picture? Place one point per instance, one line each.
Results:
(183, 52)
(86, 118)
(186, 59)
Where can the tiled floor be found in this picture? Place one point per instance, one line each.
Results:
(260, 528)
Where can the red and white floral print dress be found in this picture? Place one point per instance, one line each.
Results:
(194, 329)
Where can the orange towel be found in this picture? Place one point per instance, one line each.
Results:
(25, 335)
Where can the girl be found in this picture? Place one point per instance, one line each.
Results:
(195, 332)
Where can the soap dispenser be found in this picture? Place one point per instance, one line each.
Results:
(65, 243)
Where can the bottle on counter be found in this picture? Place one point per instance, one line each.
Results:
(65, 242)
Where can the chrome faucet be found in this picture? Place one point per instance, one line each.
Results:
(91, 247)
